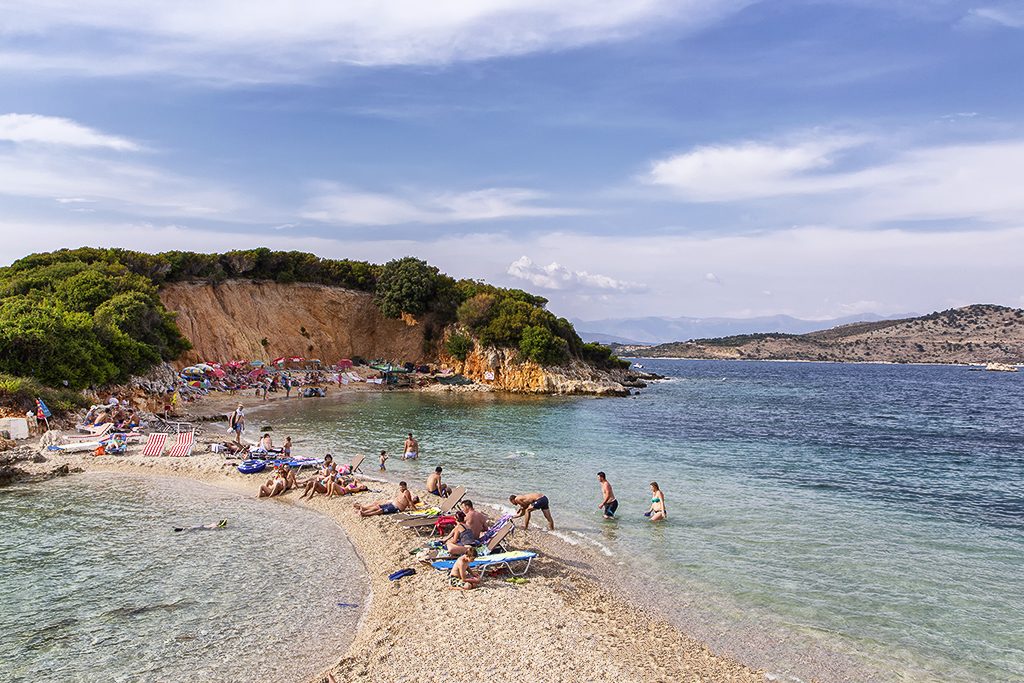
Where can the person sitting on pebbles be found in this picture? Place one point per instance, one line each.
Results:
(403, 501)
(462, 577)
(275, 486)
(458, 540)
(318, 483)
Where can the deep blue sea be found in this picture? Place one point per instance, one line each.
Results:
(870, 512)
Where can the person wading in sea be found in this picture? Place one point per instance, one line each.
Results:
(608, 502)
(527, 503)
(412, 449)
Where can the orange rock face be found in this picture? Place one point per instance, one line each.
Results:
(231, 321)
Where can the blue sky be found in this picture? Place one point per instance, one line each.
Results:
(697, 157)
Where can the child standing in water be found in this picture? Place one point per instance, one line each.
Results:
(383, 458)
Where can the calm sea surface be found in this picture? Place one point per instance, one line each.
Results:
(876, 511)
(95, 585)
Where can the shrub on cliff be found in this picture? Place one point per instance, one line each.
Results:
(82, 323)
(540, 345)
(406, 285)
(459, 345)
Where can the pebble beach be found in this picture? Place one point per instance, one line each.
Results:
(567, 623)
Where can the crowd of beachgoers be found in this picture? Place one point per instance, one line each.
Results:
(463, 539)
(427, 537)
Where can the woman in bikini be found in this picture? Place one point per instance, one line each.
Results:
(462, 577)
(275, 486)
(458, 539)
(319, 483)
(657, 512)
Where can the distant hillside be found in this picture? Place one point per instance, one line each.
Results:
(981, 333)
(656, 330)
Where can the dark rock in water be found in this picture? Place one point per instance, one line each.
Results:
(266, 428)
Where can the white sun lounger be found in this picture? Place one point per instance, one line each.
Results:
(514, 558)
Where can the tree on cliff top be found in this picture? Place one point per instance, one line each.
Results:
(406, 285)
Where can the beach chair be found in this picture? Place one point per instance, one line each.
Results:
(516, 562)
(183, 446)
(427, 515)
(356, 462)
(503, 526)
(354, 377)
(155, 444)
(93, 433)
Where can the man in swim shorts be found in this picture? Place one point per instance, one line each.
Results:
(527, 503)
(608, 502)
(236, 421)
(435, 486)
(412, 448)
(401, 503)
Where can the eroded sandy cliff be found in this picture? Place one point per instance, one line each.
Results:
(231, 320)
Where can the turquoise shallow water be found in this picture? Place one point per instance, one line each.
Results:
(97, 587)
(876, 511)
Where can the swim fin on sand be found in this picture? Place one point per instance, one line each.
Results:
(222, 524)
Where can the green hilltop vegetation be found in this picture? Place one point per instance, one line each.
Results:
(85, 317)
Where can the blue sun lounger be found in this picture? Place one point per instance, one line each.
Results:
(510, 561)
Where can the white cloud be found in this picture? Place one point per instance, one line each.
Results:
(750, 170)
(1008, 16)
(54, 130)
(812, 272)
(341, 205)
(712, 278)
(967, 181)
(558, 277)
(71, 178)
(270, 39)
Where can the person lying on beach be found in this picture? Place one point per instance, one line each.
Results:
(275, 486)
(403, 501)
(527, 503)
(476, 521)
(464, 578)
(435, 486)
(658, 511)
(608, 501)
(460, 537)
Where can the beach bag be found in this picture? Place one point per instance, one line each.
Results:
(445, 524)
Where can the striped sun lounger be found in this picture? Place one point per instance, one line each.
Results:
(155, 444)
(183, 446)
(497, 561)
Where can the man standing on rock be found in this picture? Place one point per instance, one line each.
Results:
(527, 503)
(608, 502)
(412, 449)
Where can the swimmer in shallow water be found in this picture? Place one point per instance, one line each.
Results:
(657, 512)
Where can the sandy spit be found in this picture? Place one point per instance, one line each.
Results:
(565, 624)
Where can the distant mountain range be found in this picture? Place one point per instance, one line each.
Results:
(978, 334)
(656, 330)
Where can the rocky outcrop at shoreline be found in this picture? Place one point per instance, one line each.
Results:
(504, 370)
